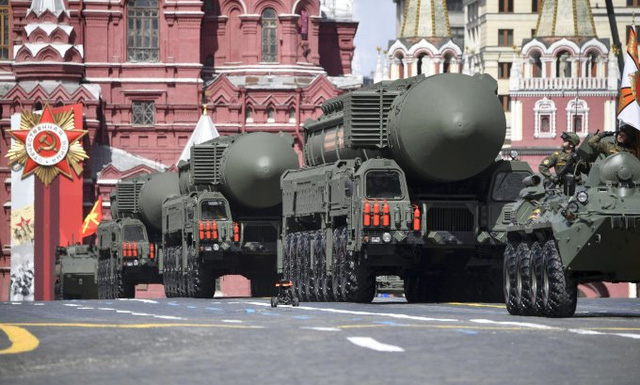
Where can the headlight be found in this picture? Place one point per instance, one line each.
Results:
(135, 262)
(386, 237)
(216, 247)
(582, 197)
(573, 207)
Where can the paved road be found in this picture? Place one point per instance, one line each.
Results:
(245, 341)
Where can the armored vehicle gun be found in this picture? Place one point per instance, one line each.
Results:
(130, 245)
(226, 219)
(75, 272)
(574, 233)
(402, 179)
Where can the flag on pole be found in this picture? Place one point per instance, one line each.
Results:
(91, 222)
(629, 98)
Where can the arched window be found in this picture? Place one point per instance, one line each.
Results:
(4, 29)
(269, 36)
(399, 65)
(592, 65)
(563, 65)
(271, 116)
(578, 117)
(545, 119)
(142, 31)
(249, 115)
(292, 115)
(536, 65)
(446, 65)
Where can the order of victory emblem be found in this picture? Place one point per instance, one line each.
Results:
(47, 145)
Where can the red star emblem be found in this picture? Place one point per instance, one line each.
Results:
(23, 222)
(48, 144)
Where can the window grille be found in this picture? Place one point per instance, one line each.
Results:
(269, 36)
(142, 31)
(143, 113)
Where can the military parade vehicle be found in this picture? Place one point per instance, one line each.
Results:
(402, 178)
(227, 218)
(130, 245)
(75, 272)
(585, 229)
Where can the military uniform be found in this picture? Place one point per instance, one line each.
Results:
(556, 160)
(609, 148)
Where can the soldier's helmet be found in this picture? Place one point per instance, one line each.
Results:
(631, 132)
(571, 137)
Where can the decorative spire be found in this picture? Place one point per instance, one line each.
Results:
(55, 6)
(205, 130)
(425, 18)
(566, 18)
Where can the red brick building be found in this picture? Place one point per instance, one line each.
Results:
(143, 68)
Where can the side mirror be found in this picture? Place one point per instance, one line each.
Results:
(348, 188)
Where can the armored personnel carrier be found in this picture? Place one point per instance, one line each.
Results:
(227, 218)
(130, 245)
(402, 178)
(586, 229)
(75, 272)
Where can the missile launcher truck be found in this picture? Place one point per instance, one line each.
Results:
(402, 178)
(130, 245)
(75, 272)
(585, 230)
(227, 217)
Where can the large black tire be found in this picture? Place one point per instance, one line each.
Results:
(361, 280)
(536, 279)
(204, 279)
(559, 289)
(421, 289)
(509, 274)
(523, 279)
(167, 273)
(339, 256)
(126, 287)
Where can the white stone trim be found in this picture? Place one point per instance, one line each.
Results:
(578, 106)
(144, 80)
(545, 107)
(48, 28)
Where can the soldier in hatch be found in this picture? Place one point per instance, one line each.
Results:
(559, 159)
(626, 141)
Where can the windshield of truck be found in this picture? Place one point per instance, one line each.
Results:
(214, 210)
(384, 184)
(508, 185)
(133, 234)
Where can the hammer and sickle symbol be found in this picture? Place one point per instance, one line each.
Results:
(47, 141)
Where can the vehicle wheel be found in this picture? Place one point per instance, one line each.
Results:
(339, 255)
(166, 273)
(126, 288)
(361, 281)
(559, 289)
(204, 279)
(274, 302)
(57, 290)
(523, 279)
(411, 292)
(509, 275)
(536, 279)
(296, 301)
